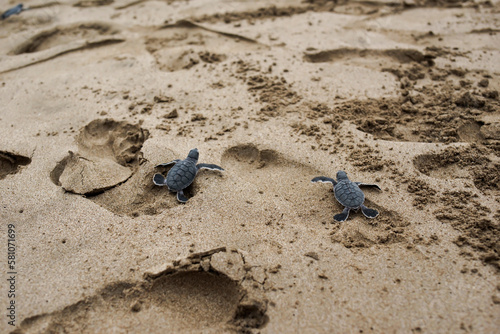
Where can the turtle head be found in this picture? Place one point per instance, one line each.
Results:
(341, 175)
(194, 154)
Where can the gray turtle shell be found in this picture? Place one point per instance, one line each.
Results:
(181, 175)
(349, 194)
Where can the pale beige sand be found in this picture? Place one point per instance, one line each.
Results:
(404, 94)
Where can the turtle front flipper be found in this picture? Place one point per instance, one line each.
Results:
(209, 166)
(181, 197)
(168, 163)
(13, 11)
(369, 213)
(340, 217)
(361, 184)
(324, 179)
(159, 180)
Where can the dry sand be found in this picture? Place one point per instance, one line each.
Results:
(95, 93)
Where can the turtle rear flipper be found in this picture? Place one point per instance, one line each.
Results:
(159, 180)
(209, 166)
(181, 197)
(340, 217)
(369, 213)
(361, 184)
(168, 163)
(324, 179)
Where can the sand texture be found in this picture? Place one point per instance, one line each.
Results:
(96, 93)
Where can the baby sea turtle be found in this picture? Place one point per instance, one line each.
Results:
(182, 174)
(349, 195)
(13, 11)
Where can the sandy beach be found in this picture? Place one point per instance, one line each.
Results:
(403, 94)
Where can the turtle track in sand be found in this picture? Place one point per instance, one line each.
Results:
(200, 293)
(289, 183)
(10, 163)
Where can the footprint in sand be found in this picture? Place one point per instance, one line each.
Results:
(191, 295)
(400, 55)
(185, 44)
(57, 41)
(277, 177)
(11, 163)
(108, 155)
(64, 35)
(441, 166)
(462, 163)
(289, 182)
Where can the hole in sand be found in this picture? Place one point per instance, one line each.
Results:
(451, 163)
